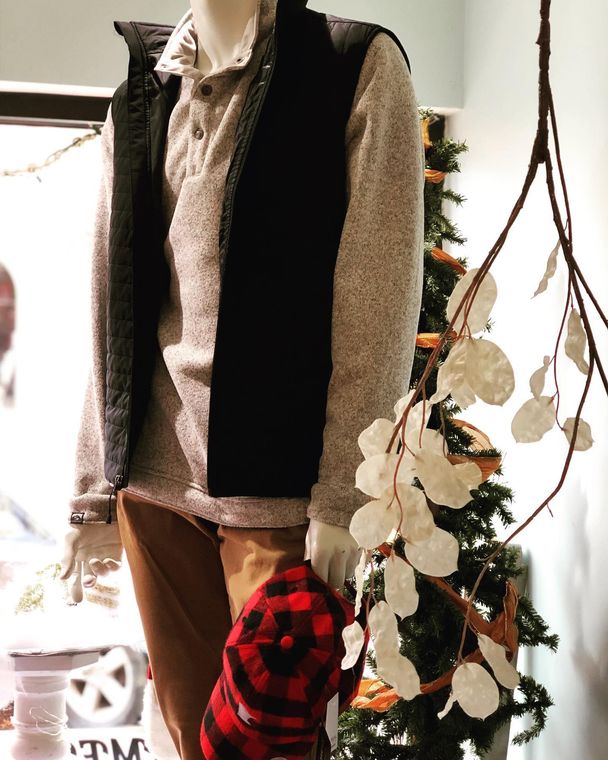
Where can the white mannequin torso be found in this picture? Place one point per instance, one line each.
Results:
(220, 25)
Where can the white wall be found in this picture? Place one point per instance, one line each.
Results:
(567, 552)
(74, 42)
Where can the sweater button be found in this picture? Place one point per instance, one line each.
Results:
(206, 89)
(199, 134)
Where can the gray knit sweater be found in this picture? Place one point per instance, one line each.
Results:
(377, 288)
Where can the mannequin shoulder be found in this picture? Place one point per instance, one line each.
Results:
(385, 75)
(384, 56)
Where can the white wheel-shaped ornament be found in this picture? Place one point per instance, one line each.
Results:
(109, 692)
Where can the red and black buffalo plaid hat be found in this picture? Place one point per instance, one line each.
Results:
(281, 666)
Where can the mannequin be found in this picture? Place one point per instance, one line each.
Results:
(220, 26)
(215, 55)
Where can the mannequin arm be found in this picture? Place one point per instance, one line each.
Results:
(91, 490)
(89, 551)
(333, 552)
(378, 281)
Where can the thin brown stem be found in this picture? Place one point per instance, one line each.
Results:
(557, 342)
(558, 157)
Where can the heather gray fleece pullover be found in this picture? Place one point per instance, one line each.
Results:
(377, 288)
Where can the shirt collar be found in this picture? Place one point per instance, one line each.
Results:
(179, 54)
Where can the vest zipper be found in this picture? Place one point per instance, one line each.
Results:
(146, 83)
(117, 484)
(119, 479)
(226, 240)
(239, 168)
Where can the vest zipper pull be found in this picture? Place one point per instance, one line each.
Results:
(115, 487)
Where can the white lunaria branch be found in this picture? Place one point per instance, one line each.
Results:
(484, 300)
(448, 706)
(383, 627)
(437, 557)
(400, 586)
(475, 691)
(353, 637)
(372, 523)
(533, 419)
(398, 671)
(375, 475)
(451, 379)
(374, 439)
(414, 417)
(576, 341)
(359, 571)
(445, 483)
(549, 271)
(391, 666)
(496, 657)
(418, 522)
(489, 372)
(402, 403)
(475, 367)
(430, 438)
(537, 378)
(584, 440)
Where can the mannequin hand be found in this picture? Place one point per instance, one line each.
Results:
(333, 552)
(89, 551)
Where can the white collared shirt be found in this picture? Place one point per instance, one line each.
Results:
(179, 55)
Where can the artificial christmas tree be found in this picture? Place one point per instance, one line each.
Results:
(381, 725)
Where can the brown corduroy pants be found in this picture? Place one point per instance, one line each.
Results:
(191, 579)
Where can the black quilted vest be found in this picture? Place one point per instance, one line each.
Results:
(283, 212)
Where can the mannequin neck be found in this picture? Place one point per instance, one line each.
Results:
(220, 25)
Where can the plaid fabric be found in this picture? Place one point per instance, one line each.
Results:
(281, 666)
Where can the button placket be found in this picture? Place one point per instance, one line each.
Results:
(201, 117)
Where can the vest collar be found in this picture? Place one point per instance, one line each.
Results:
(155, 37)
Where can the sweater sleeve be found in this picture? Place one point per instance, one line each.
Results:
(91, 490)
(377, 288)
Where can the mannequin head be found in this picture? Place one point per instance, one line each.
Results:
(226, 13)
(220, 25)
